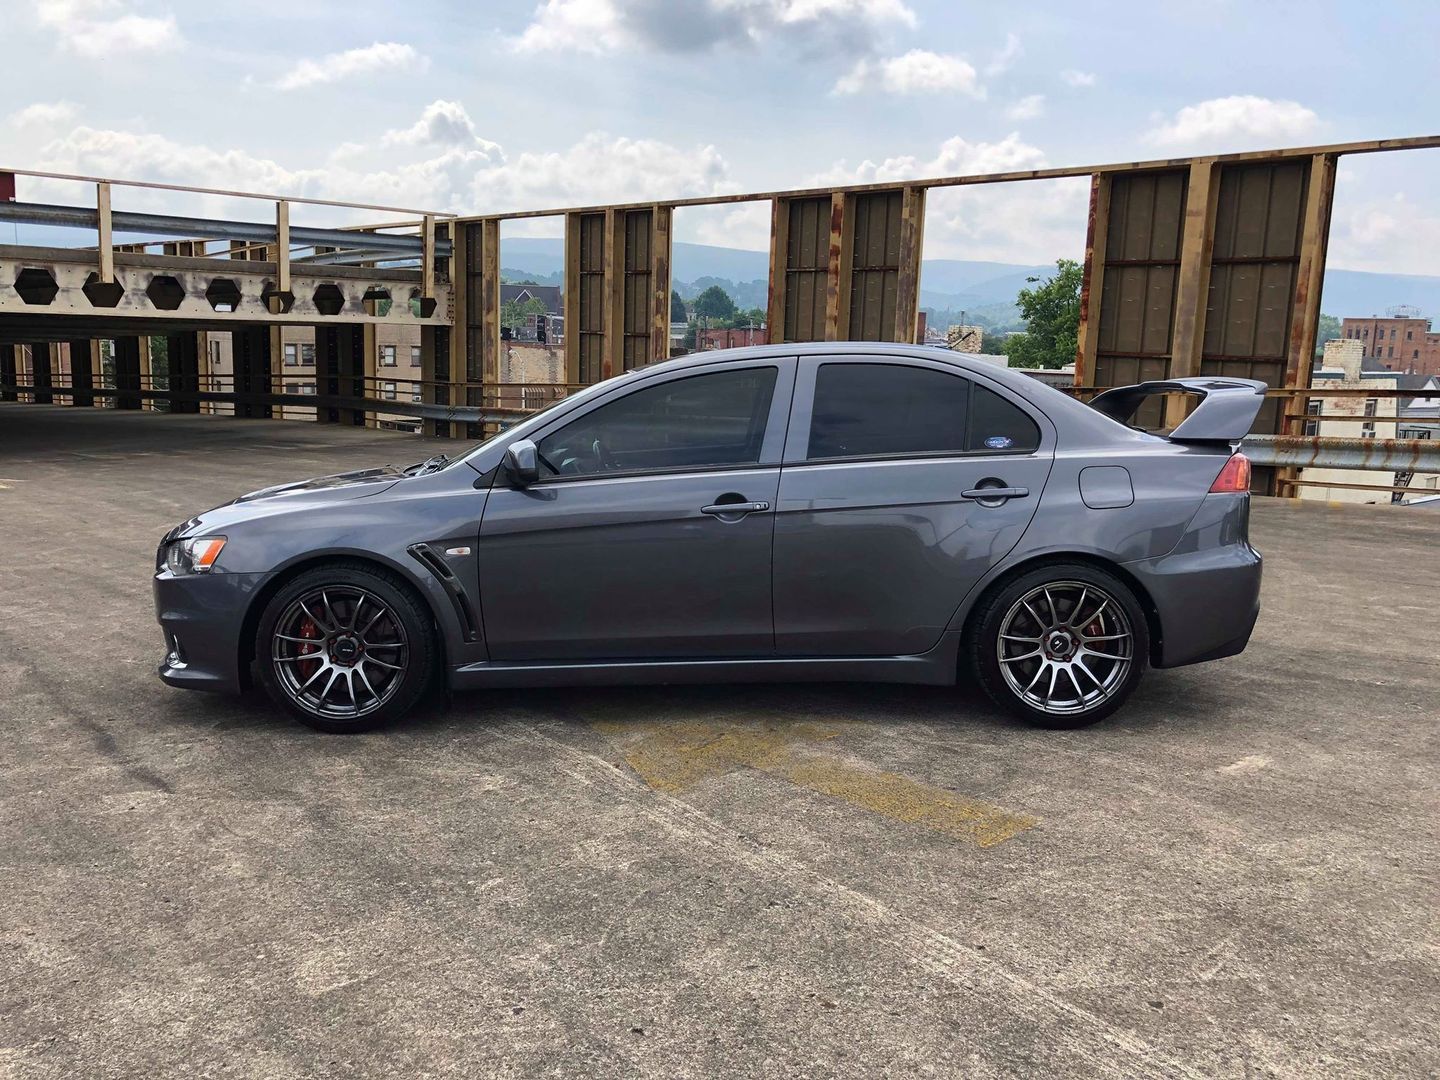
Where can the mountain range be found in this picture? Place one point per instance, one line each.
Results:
(983, 291)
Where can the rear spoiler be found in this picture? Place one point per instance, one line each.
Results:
(1224, 413)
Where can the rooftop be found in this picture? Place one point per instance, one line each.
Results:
(1232, 875)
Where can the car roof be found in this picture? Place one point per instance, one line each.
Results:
(1003, 375)
(1057, 405)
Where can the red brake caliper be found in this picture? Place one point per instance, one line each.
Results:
(308, 629)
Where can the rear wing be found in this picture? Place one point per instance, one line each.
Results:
(1224, 413)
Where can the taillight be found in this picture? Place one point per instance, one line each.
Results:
(1235, 476)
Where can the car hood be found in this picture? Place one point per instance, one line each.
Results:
(283, 498)
(335, 488)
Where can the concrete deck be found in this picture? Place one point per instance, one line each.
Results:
(1236, 876)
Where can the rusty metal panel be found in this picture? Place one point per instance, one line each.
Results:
(875, 266)
(474, 298)
(807, 264)
(591, 331)
(1141, 262)
(639, 225)
(1259, 216)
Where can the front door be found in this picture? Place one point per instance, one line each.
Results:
(881, 528)
(649, 534)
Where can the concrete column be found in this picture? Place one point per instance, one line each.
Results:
(147, 368)
(252, 370)
(127, 372)
(340, 371)
(184, 352)
(42, 366)
(84, 362)
(435, 368)
(9, 372)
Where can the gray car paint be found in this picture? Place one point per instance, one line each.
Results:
(621, 579)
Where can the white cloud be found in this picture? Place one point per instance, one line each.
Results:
(1390, 234)
(600, 168)
(44, 114)
(1027, 108)
(1240, 117)
(1008, 54)
(442, 123)
(1078, 79)
(733, 225)
(473, 177)
(1032, 221)
(916, 72)
(386, 56)
(106, 28)
(599, 26)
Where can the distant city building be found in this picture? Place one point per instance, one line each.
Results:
(1347, 366)
(1401, 340)
(705, 340)
(965, 338)
(549, 295)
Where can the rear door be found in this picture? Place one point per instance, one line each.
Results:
(882, 523)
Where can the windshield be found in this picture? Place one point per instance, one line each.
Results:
(535, 419)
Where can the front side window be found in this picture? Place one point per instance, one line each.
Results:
(414, 355)
(387, 355)
(889, 410)
(291, 353)
(705, 421)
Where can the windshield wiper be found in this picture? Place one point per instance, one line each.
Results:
(429, 465)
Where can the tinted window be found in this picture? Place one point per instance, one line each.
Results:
(866, 409)
(699, 422)
(995, 424)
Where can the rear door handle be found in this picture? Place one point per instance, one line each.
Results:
(739, 509)
(996, 494)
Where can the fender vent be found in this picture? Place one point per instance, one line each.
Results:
(435, 563)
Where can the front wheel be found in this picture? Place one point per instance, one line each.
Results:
(1062, 646)
(345, 648)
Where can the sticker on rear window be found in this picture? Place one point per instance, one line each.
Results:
(999, 442)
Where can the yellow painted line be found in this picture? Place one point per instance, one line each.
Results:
(674, 757)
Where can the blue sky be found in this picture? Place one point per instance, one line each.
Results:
(488, 107)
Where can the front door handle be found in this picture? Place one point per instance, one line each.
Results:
(994, 494)
(736, 509)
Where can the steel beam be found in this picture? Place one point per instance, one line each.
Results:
(1328, 452)
(212, 228)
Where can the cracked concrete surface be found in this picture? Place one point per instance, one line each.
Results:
(1236, 876)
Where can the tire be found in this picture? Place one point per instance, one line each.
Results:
(1061, 646)
(374, 648)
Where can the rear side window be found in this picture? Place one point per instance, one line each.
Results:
(864, 410)
(997, 425)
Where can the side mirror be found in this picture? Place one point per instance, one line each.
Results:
(522, 462)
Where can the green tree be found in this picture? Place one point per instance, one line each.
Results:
(1052, 319)
(715, 303)
(677, 307)
(513, 313)
(1330, 330)
(991, 343)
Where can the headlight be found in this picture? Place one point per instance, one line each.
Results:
(195, 555)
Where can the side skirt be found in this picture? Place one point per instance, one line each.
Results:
(938, 667)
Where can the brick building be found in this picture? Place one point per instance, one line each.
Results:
(1400, 343)
(705, 340)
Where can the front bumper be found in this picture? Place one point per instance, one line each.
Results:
(1206, 591)
(202, 616)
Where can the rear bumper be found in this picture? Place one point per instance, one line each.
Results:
(1206, 592)
(202, 616)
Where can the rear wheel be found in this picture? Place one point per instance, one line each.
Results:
(345, 648)
(1062, 646)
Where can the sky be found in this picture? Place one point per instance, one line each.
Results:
(489, 107)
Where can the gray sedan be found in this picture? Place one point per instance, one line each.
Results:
(832, 511)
